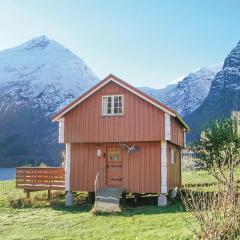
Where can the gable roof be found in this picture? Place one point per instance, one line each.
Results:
(125, 85)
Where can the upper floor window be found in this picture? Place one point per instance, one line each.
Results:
(112, 105)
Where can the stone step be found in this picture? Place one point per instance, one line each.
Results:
(108, 199)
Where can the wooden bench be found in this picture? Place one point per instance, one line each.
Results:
(37, 179)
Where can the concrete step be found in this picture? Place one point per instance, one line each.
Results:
(108, 199)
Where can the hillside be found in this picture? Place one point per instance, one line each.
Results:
(36, 78)
(223, 97)
(187, 94)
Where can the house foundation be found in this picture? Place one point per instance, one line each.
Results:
(69, 199)
(173, 193)
(162, 200)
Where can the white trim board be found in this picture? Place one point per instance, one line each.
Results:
(164, 166)
(167, 122)
(61, 131)
(68, 167)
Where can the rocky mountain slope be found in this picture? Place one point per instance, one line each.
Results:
(223, 97)
(36, 78)
(187, 94)
(40, 76)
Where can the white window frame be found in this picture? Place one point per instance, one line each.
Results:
(112, 105)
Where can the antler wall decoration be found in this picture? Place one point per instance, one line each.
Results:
(132, 149)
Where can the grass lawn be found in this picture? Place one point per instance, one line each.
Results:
(197, 177)
(58, 222)
(202, 177)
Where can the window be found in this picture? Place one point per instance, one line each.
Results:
(114, 154)
(112, 105)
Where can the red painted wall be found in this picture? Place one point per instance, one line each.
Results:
(141, 170)
(141, 120)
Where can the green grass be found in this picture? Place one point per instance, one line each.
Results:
(197, 177)
(202, 177)
(58, 222)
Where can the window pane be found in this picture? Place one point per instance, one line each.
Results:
(113, 154)
(104, 100)
(104, 105)
(107, 105)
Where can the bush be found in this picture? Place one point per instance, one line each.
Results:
(218, 149)
(20, 202)
(38, 201)
(80, 197)
(214, 215)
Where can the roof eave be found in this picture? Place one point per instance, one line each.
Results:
(183, 123)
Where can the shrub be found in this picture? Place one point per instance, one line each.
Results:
(216, 215)
(218, 149)
(213, 215)
(80, 197)
(20, 202)
(38, 201)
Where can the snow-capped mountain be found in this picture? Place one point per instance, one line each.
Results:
(188, 93)
(223, 97)
(43, 71)
(36, 78)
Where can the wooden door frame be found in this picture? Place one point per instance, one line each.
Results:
(109, 145)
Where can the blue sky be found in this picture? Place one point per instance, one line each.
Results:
(147, 43)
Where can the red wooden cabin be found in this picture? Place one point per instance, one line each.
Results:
(123, 137)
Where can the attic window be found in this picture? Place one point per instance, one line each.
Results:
(112, 105)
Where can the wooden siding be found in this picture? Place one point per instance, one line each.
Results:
(174, 170)
(141, 120)
(141, 170)
(177, 132)
(84, 166)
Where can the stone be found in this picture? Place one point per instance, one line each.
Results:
(108, 199)
(162, 200)
(69, 199)
(173, 193)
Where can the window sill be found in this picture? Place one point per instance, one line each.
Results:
(112, 115)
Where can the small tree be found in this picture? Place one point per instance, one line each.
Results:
(216, 215)
(218, 149)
